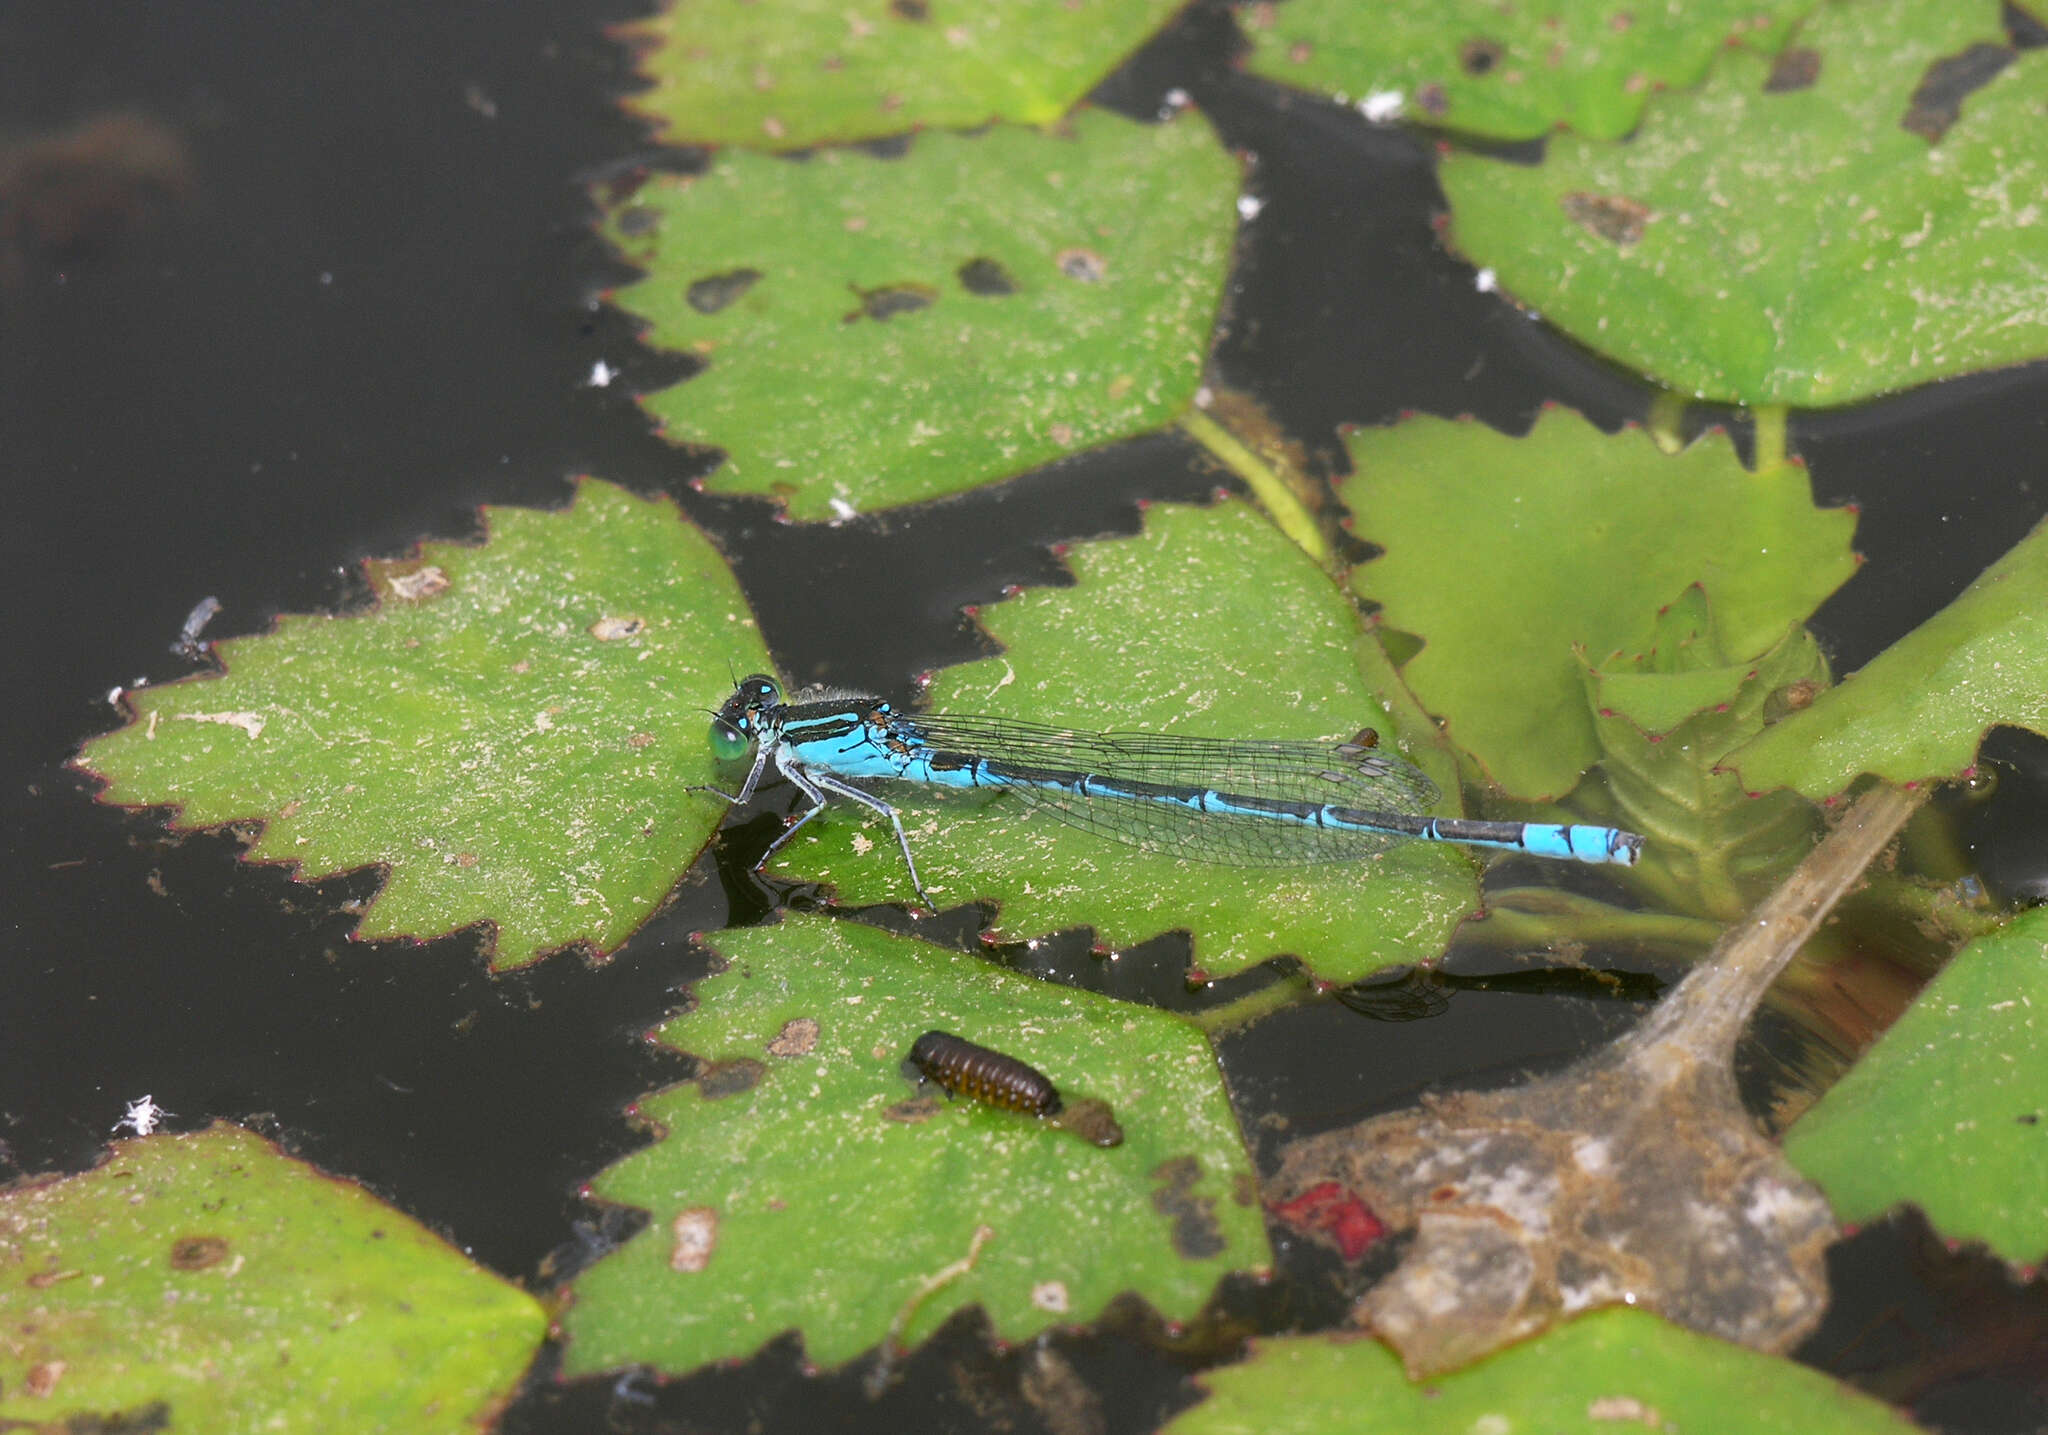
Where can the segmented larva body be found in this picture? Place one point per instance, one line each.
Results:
(962, 1068)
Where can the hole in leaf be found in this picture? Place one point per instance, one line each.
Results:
(986, 277)
(717, 291)
(892, 299)
(1478, 56)
(638, 220)
(2027, 30)
(1613, 217)
(1796, 68)
(1938, 103)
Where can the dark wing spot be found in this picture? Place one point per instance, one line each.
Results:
(1938, 103)
(718, 291)
(987, 278)
(1796, 68)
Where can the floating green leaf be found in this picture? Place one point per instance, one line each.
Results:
(1509, 71)
(1665, 718)
(805, 72)
(507, 733)
(1209, 623)
(1510, 556)
(1808, 234)
(1612, 1370)
(1950, 1109)
(804, 1183)
(882, 331)
(1919, 709)
(208, 1282)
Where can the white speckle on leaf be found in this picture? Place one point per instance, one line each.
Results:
(1383, 106)
(250, 723)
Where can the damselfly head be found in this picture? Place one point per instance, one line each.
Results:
(737, 723)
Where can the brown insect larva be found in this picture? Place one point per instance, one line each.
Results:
(959, 1066)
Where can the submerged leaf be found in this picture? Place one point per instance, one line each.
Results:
(1666, 718)
(1608, 1372)
(1809, 238)
(209, 1282)
(884, 331)
(1947, 1111)
(1509, 557)
(805, 1183)
(508, 733)
(1919, 709)
(803, 72)
(1508, 71)
(1210, 623)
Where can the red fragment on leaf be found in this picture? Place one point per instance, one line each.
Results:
(1330, 1210)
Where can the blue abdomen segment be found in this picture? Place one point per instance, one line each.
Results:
(1242, 804)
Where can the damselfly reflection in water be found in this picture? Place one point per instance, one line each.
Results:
(1238, 803)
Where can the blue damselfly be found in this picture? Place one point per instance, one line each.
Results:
(1239, 803)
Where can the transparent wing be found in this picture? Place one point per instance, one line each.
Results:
(1316, 773)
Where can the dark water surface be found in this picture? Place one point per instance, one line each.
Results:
(366, 302)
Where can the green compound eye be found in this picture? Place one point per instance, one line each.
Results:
(728, 743)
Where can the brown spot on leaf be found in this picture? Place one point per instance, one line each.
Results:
(1613, 217)
(910, 9)
(1938, 103)
(718, 291)
(696, 1237)
(730, 1078)
(1196, 1235)
(1431, 99)
(43, 1280)
(419, 584)
(1796, 68)
(196, 1253)
(1083, 264)
(640, 740)
(987, 278)
(917, 1108)
(889, 300)
(798, 1035)
(1091, 1119)
(42, 1379)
